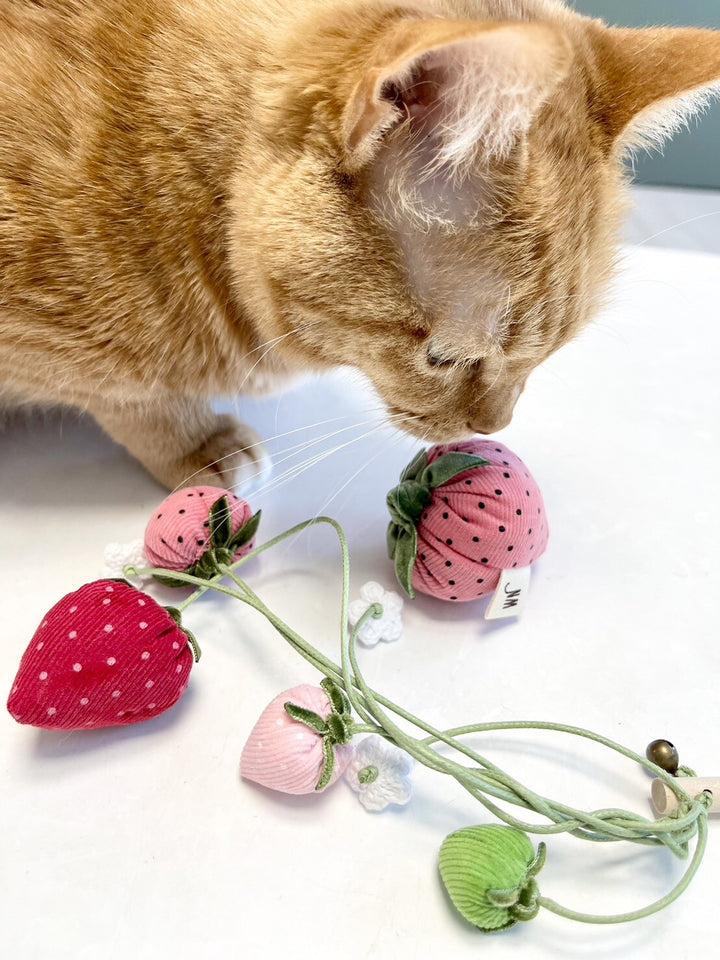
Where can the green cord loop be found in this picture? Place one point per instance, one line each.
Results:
(482, 779)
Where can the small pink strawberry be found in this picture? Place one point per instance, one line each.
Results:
(300, 744)
(106, 655)
(462, 514)
(195, 529)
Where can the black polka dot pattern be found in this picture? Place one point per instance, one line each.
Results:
(478, 518)
(178, 534)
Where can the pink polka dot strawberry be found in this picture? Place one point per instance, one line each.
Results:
(461, 514)
(300, 744)
(106, 655)
(196, 529)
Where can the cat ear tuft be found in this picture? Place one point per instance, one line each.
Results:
(654, 80)
(469, 86)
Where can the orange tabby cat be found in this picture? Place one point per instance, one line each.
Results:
(199, 197)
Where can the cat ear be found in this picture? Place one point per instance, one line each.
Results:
(654, 79)
(466, 84)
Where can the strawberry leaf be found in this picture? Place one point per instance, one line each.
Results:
(503, 898)
(416, 466)
(220, 522)
(539, 861)
(308, 717)
(194, 645)
(245, 533)
(449, 466)
(207, 566)
(407, 501)
(335, 695)
(340, 728)
(402, 549)
(328, 764)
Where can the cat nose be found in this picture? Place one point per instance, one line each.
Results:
(496, 409)
(490, 423)
(493, 416)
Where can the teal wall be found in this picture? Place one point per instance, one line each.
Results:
(691, 158)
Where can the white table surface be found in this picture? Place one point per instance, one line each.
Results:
(144, 843)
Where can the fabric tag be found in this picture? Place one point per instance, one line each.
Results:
(509, 597)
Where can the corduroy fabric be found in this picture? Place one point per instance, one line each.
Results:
(178, 533)
(477, 861)
(286, 755)
(482, 522)
(105, 655)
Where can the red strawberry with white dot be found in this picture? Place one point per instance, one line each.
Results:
(106, 655)
(462, 514)
(195, 529)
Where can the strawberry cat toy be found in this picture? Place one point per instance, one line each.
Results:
(193, 530)
(461, 514)
(108, 654)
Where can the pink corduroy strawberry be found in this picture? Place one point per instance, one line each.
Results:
(301, 743)
(461, 514)
(106, 655)
(195, 529)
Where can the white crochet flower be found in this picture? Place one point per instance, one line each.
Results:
(387, 627)
(379, 773)
(119, 555)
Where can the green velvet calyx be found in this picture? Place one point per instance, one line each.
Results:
(224, 544)
(410, 497)
(489, 873)
(335, 729)
(194, 645)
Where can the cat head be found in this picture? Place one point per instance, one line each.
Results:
(437, 188)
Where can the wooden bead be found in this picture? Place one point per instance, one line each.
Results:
(666, 800)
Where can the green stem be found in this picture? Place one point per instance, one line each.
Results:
(488, 778)
(484, 778)
(650, 909)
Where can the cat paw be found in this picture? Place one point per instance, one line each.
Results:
(233, 456)
(182, 442)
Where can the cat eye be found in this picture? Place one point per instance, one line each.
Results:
(437, 355)
(437, 360)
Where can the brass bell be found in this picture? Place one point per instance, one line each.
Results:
(664, 754)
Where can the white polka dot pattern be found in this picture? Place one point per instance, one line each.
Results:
(82, 670)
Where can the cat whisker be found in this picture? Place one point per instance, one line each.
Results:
(297, 470)
(303, 466)
(270, 345)
(281, 337)
(379, 420)
(353, 476)
(262, 443)
(674, 226)
(322, 511)
(292, 450)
